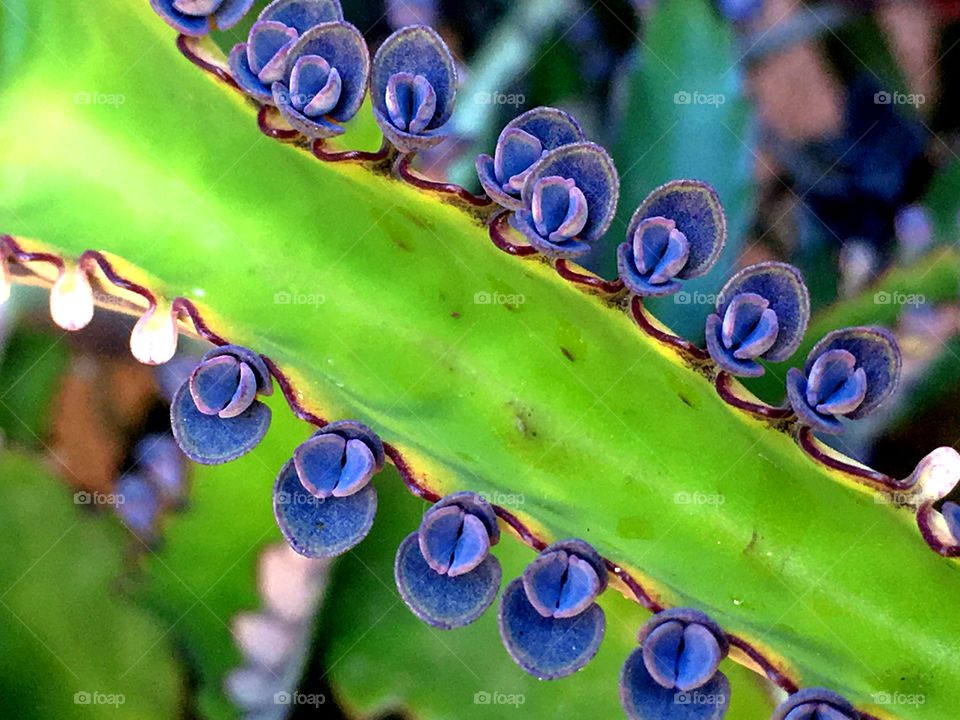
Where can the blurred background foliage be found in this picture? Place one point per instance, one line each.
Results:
(828, 130)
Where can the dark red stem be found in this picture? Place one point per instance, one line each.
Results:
(269, 130)
(183, 45)
(767, 412)
(350, 155)
(405, 173)
(608, 286)
(636, 307)
(496, 228)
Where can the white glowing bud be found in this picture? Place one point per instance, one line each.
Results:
(154, 337)
(71, 299)
(4, 281)
(937, 474)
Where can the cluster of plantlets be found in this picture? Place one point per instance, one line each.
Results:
(559, 192)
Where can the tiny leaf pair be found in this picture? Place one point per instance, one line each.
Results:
(762, 312)
(199, 17)
(673, 675)
(569, 199)
(849, 373)
(215, 416)
(549, 620)
(262, 60)
(412, 88)
(523, 141)
(323, 501)
(677, 233)
(444, 571)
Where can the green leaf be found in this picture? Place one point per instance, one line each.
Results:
(685, 118)
(32, 361)
(368, 294)
(71, 646)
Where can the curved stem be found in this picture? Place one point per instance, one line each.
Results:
(358, 156)
(497, 228)
(809, 445)
(185, 46)
(924, 522)
(685, 346)
(405, 173)
(767, 412)
(610, 287)
(269, 130)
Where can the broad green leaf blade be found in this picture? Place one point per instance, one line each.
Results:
(71, 646)
(370, 296)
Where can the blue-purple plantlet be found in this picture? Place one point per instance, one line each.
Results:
(199, 17)
(849, 373)
(815, 703)
(762, 312)
(523, 141)
(444, 571)
(262, 60)
(215, 416)
(549, 620)
(323, 500)
(680, 651)
(569, 200)
(412, 87)
(677, 233)
(324, 79)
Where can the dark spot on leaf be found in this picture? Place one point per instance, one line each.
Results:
(566, 353)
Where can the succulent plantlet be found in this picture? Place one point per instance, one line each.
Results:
(199, 17)
(324, 79)
(412, 87)
(444, 571)
(762, 312)
(815, 703)
(215, 416)
(676, 233)
(138, 504)
(522, 142)
(680, 651)
(569, 200)
(261, 61)
(849, 373)
(323, 500)
(548, 619)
